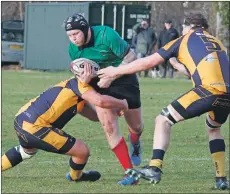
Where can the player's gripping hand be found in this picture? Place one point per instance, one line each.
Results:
(105, 82)
(86, 75)
(107, 76)
(108, 72)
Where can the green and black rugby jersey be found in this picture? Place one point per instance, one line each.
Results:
(106, 47)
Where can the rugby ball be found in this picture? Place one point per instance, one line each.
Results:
(77, 66)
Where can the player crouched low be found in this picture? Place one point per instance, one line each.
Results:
(39, 124)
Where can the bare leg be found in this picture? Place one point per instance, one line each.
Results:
(16, 155)
(216, 146)
(161, 137)
(109, 121)
(80, 154)
(134, 120)
(162, 133)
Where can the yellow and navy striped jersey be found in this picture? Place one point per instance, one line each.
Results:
(56, 106)
(204, 57)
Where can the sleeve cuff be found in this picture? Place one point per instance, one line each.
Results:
(163, 53)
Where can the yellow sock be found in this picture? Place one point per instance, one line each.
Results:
(5, 163)
(75, 174)
(156, 162)
(219, 159)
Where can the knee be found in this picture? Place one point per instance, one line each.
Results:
(212, 126)
(87, 151)
(138, 127)
(165, 117)
(25, 153)
(160, 119)
(213, 132)
(82, 149)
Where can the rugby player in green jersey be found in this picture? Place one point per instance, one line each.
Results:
(103, 45)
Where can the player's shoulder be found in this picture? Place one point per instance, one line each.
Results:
(200, 34)
(98, 28)
(72, 84)
(211, 36)
(72, 80)
(110, 31)
(103, 29)
(98, 33)
(104, 34)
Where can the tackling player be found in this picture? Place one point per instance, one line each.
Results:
(39, 124)
(103, 45)
(204, 59)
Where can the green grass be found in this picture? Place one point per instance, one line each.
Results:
(187, 167)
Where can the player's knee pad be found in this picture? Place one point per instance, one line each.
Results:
(210, 124)
(165, 112)
(24, 155)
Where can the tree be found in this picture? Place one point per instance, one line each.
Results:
(223, 9)
(222, 29)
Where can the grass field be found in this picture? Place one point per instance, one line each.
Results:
(187, 167)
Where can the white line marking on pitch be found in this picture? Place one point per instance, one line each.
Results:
(114, 161)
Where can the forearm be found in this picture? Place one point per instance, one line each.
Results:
(140, 65)
(131, 56)
(111, 102)
(133, 67)
(103, 101)
(180, 67)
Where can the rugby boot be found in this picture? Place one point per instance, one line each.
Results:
(86, 176)
(150, 173)
(221, 183)
(129, 180)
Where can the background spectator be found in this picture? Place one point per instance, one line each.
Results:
(166, 35)
(144, 40)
